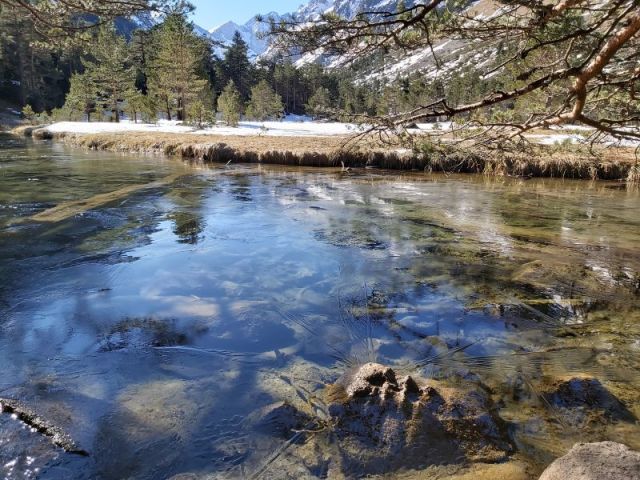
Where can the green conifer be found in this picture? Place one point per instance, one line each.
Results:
(230, 104)
(265, 103)
(81, 98)
(175, 77)
(319, 103)
(109, 70)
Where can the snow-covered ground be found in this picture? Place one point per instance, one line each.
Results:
(291, 127)
(552, 139)
(300, 126)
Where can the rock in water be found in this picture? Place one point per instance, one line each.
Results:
(383, 423)
(583, 399)
(596, 461)
(281, 420)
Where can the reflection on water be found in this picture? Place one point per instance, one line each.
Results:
(153, 329)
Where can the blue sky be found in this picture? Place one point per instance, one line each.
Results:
(211, 13)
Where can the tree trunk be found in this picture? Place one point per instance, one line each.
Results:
(180, 112)
(21, 70)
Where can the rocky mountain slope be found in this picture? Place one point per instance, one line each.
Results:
(455, 54)
(252, 31)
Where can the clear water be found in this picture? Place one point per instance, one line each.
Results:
(154, 326)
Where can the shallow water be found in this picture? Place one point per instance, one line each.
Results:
(152, 328)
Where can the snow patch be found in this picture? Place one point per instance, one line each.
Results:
(292, 126)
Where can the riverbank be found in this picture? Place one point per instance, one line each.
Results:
(290, 143)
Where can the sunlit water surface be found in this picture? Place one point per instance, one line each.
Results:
(153, 327)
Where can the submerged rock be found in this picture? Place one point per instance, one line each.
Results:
(596, 461)
(143, 332)
(281, 419)
(586, 399)
(383, 423)
(37, 424)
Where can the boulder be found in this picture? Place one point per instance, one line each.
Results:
(383, 423)
(585, 399)
(596, 461)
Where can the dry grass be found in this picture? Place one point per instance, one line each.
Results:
(170, 143)
(634, 173)
(302, 151)
(543, 161)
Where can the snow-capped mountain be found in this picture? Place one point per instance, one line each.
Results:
(251, 32)
(345, 8)
(146, 20)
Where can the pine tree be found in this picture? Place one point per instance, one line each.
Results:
(230, 104)
(63, 20)
(141, 107)
(289, 84)
(350, 101)
(140, 47)
(201, 110)
(200, 113)
(319, 103)
(160, 93)
(110, 71)
(82, 96)
(136, 104)
(265, 103)
(176, 77)
(30, 72)
(28, 114)
(236, 66)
